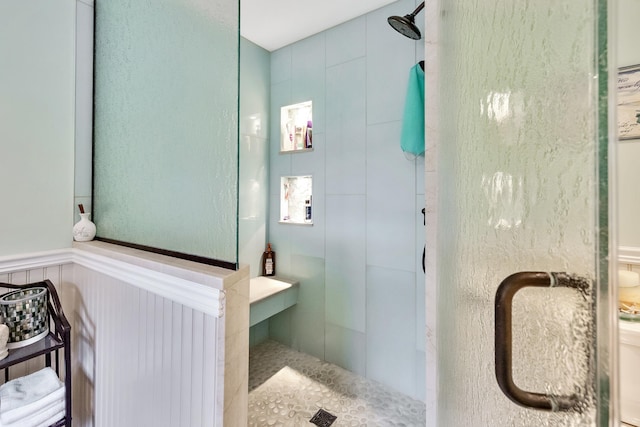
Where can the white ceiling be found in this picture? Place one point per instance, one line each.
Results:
(273, 24)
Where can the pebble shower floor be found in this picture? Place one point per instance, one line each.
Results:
(286, 388)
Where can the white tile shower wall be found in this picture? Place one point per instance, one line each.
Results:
(347, 118)
(307, 329)
(308, 77)
(365, 246)
(254, 151)
(391, 325)
(389, 58)
(346, 285)
(346, 42)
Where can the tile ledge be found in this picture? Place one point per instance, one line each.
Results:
(262, 287)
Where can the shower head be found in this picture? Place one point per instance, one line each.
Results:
(406, 25)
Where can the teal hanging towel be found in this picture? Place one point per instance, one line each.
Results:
(412, 138)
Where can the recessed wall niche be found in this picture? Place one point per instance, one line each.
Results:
(296, 201)
(296, 126)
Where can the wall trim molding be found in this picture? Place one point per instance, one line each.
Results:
(13, 263)
(200, 297)
(197, 296)
(629, 255)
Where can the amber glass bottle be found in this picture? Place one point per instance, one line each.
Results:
(269, 262)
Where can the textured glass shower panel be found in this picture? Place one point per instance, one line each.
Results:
(518, 191)
(166, 112)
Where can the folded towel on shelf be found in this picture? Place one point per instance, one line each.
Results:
(20, 413)
(54, 419)
(44, 417)
(29, 394)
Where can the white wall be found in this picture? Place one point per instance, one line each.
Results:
(628, 32)
(37, 44)
(628, 150)
(84, 105)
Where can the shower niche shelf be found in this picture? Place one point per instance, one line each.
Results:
(296, 124)
(296, 201)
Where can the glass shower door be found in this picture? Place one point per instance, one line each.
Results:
(522, 222)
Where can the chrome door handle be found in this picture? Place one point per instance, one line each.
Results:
(503, 340)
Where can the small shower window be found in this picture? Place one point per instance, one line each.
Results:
(296, 200)
(296, 127)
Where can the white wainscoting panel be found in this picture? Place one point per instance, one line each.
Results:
(149, 347)
(146, 359)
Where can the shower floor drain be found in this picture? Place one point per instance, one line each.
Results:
(322, 418)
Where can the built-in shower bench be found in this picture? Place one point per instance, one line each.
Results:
(269, 296)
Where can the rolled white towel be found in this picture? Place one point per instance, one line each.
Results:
(25, 395)
(45, 416)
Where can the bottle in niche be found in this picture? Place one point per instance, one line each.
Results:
(269, 262)
(307, 210)
(308, 140)
(299, 142)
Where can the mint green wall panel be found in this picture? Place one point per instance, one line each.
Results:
(166, 125)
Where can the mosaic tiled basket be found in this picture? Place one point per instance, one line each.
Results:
(25, 313)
